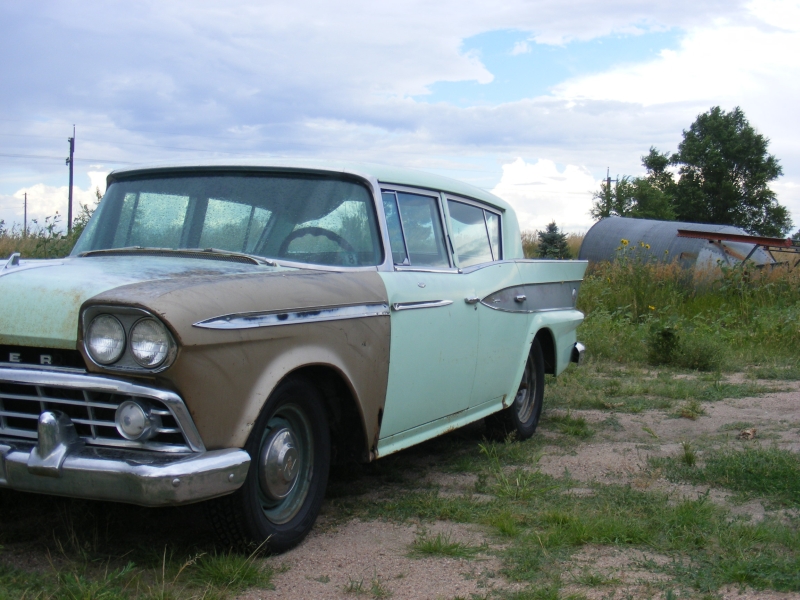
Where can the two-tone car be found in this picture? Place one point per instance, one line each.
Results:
(223, 332)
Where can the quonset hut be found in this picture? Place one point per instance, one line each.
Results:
(604, 238)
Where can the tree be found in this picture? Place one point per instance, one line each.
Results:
(724, 174)
(553, 243)
(725, 171)
(648, 197)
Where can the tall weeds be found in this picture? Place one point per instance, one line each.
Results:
(45, 239)
(639, 309)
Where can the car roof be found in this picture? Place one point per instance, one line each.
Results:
(383, 173)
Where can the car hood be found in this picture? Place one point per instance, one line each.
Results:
(41, 299)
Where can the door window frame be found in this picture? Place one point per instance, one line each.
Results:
(443, 227)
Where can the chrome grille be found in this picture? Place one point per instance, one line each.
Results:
(91, 411)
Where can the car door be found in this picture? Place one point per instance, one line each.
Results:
(434, 331)
(475, 230)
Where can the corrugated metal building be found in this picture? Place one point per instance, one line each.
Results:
(604, 238)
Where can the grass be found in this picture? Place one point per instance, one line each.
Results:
(769, 473)
(745, 319)
(441, 545)
(105, 551)
(538, 524)
(569, 425)
(375, 588)
(635, 389)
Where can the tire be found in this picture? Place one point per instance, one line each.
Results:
(290, 460)
(522, 417)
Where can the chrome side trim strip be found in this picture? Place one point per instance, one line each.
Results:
(414, 269)
(99, 383)
(534, 297)
(308, 315)
(10, 365)
(423, 304)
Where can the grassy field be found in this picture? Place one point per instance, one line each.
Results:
(666, 467)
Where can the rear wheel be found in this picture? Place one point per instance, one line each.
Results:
(290, 459)
(522, 417)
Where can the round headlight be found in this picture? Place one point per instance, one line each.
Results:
(134, 421)
(149, 343)
(105, 339)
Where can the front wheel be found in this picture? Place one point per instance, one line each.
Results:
(290, 459)
(522, 417)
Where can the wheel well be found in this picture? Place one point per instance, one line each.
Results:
(348, 438)
(545, 337)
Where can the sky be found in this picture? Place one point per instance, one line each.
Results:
(532, 100)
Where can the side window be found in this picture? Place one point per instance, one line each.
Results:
(493, 225)
(422, 230)
(415, 229)
(475, 233)
(399, 256)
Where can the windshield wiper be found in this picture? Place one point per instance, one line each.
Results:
(213, 253)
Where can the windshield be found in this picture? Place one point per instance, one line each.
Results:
(308, 219)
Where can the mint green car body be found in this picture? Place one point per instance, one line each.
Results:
(403, 298)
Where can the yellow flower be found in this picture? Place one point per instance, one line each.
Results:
(651, 307)
(624, 242)
(641, 243)
(666, 251)
(647, 246)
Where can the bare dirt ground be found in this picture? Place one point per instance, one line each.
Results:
(338, 561)
(347, 557)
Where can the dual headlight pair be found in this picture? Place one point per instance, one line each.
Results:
(148, 342)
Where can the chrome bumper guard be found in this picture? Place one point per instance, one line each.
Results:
(131, 476)
(578, 353)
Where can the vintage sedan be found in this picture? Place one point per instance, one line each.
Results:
(224, 332)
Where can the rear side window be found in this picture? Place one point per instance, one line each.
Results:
(475, 233)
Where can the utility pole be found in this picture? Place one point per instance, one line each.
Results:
(70, 162)
(609, 180)
(25, 218)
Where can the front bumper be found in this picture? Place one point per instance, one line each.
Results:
(578, 353)
(131, 476)
(55, 458)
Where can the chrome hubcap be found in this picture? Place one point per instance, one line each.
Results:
(279, 464)
(525, 395)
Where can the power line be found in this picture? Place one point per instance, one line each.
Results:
(59, 158)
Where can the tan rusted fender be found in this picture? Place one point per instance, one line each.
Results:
(226, 375)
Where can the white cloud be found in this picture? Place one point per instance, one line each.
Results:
(152, 81)
(540, 194)
(520, 48)
(46, 200)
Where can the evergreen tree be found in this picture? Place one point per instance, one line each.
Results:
(553, 243)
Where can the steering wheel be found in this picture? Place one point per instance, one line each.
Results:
(331, 235)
